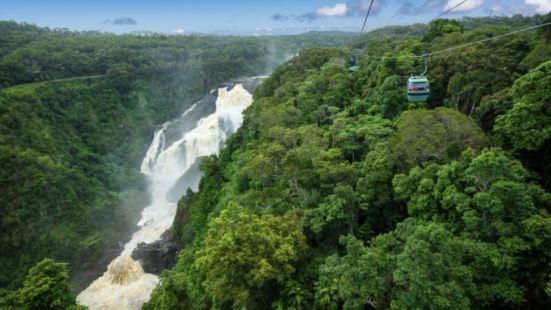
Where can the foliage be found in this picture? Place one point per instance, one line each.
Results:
(440, 27)
(243, 251)
(484, 199)
(65, 173)
(401, 205)
(335, 193)
(417, 265)
(76, 113)
(525, 128)
(440, 134)
(45, 287)
(527, 125)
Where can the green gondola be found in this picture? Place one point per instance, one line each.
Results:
(418, 88)
(418, 85)
(353, 68)
(354, 65)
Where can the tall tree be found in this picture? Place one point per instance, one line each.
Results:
(440, 27)
(419, 265)
(46, 287)
(527, 125)
(243, 252)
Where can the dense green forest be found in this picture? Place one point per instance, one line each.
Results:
(335, 193)
(338, 193)
(77, 111)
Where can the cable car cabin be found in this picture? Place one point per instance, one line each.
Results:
(418, 89)
(354, 68)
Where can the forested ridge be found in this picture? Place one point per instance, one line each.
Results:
(338, 193)
(77, 111)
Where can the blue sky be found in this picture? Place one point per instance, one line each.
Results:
(246, 16)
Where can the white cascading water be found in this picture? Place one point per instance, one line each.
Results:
(125, 285)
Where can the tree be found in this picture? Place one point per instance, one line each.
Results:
(483, 194)
(46, 287)
(374, 187)
(171, 294)
(527, 126)
(435, 135)
(390, 96)
(243, 251)
(338, 211)
(419, 265)
(322, 95)
(486, 200)
(440, 27)
(355, 136)
(491, 107)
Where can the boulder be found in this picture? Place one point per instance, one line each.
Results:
(157, 256)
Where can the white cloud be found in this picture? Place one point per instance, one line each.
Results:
(350, 8)
(179, 31)
(465, 7)
(496, 8)
(529, 7)
(340, 9)
(541, 6)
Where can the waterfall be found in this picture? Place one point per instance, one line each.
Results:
(125, 285)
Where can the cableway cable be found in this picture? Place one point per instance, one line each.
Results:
(463, 45)
(366, 16)
(448, 11)
(354, 59)
(492, 38)
(371, 5)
